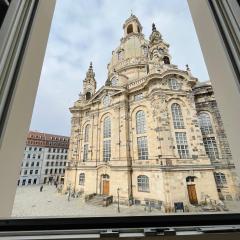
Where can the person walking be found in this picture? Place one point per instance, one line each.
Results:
(41, 188)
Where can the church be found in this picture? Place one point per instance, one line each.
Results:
(152, 134)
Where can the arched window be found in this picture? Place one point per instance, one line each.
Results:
(166, 60)
(177, 116)
(220, 178)
(120, 55)
(81, 178)
(205, 123)
(107, 140)
(88, 95)
(106, 101)
(86, 133)
(107, 127)
(140, 122)
(174, 84)
(130, 29)
(114, 81)
(143, 183)
(145, 51)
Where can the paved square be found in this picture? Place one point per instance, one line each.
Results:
(29, 201)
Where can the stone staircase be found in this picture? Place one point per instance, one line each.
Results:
(99, 200)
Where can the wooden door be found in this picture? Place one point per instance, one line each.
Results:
(105, 187)
(192, 194)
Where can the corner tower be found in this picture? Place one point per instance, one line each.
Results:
(89, 83)
(158, 49)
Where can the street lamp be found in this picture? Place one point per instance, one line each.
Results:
(118, 189)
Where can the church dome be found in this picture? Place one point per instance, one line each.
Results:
(133, 48)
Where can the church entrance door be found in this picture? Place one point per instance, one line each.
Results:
(105, 187)
(105, 184)
(192, 194)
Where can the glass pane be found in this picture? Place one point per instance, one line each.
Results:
(136, 126)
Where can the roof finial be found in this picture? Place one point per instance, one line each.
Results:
(90, 65)
(153, 27)
(187, 67)
(131, 12)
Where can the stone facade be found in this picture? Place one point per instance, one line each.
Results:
(139, 135)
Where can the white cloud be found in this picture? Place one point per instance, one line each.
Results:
(84, 31)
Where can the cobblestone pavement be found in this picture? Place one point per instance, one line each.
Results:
(29, 201)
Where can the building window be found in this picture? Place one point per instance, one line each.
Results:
(28, 156)
(205, 123)
(39, 156)
(37, 164)
(106, 101)
(166, 60)
(182, 144)
(60, 164)
(211, 147)
(33, 156)
(35, 181)
(55, 171)
(174, 84)
(138, 97)
(81, 178)
(48, 156)
(85, 152)
(53, 157)
(143, 183)
(36, 171)
(51, 171)
(177, 116)
(52, 163)
(142, 148)
(129, 28)
(120, 55)
(31, 172)
(107, 127)
(46, 171)
(220, 179)
(25, 172)
(49, 150)
(60, 170)
(86, 133)
(145, 51)
(27, 164)
(32, 164)
(56, 164)
(106, 150)
(140, 122)
(29, 181)
(65, 157)
(114, 81)
(64, 163)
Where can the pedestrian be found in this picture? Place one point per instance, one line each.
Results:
(41, 188)
(69, 195)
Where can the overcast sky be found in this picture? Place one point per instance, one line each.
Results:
(84, 31)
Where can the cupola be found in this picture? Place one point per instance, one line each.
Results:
(132, 25)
